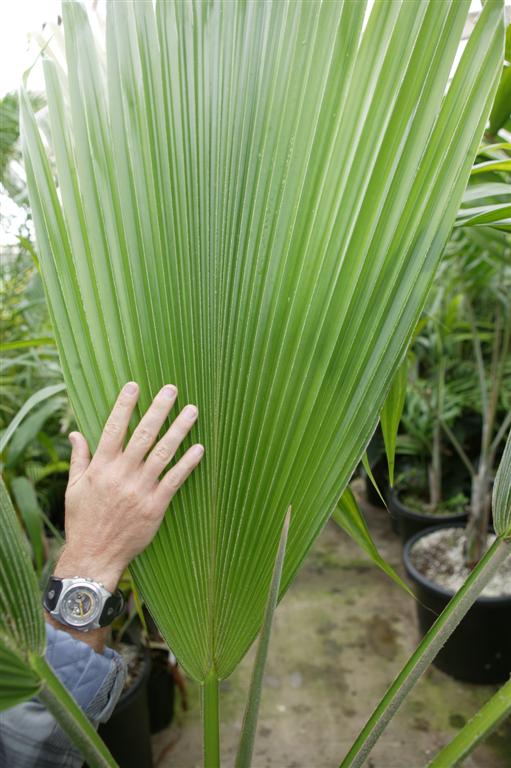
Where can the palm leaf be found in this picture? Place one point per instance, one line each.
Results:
(349, 517)
(501, 498)
(251, 201)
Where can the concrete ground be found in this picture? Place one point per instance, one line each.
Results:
(341, 634)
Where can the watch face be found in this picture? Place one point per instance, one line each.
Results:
(80, 606)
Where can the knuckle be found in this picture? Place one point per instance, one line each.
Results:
(162, 452)
(131, 496)
(113, 481)
(112, 428)
(173, 482)
(152, 511)
(125, 401)
(144, 436)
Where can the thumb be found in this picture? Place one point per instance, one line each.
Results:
(80, 457)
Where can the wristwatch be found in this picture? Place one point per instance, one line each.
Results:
(81, 603)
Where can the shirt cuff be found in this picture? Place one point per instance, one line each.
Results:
(94, 679)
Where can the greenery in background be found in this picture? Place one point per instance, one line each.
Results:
(458, 405)
(34, 458)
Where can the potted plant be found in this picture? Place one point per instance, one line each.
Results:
(432, 483)
(439, 559)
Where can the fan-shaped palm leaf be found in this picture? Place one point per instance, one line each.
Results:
(251, 201)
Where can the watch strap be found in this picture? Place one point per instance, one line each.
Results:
(52, 593)
(112, 608)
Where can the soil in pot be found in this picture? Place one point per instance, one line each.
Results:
(127, 732)
(413, 515)
(479, 650)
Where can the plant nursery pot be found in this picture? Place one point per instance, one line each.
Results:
(409, 522)
(479, 650)
(160, 691)
(127, 734)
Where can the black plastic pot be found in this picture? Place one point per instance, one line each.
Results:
(127, 733)
(409, 522)
(479, 650)
(161, 691)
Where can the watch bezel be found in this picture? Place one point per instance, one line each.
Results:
(92, 619)
(109, 605)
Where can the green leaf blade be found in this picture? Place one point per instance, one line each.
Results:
(501, 499)
(349, 517)
(253, 199)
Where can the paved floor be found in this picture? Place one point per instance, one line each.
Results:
(340, 636)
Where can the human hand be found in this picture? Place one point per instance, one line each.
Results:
(116, 501)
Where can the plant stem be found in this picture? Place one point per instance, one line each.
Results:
(457, 447)
(499, 436)
(482, 724)
(211, 722)
(249, 727)
(426, 651)
(435, 468)
(57, 699)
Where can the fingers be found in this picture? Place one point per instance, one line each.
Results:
(147, 431)
(175, 477)
(166, 448)
(114, 432)
(80, 457)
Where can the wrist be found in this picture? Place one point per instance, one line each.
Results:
(72, 563)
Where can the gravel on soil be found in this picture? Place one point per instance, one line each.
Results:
(438, 556)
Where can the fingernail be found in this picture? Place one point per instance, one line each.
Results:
(190, 412)
(71, 437)
(198, 450)
(169, 391)
(131, 388)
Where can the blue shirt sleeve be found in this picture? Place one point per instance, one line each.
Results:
(30, 736)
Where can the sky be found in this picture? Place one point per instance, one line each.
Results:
(21, 20)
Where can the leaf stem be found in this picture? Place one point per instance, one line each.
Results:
(426, 651)
(478, 728)
(57, 699)
(211, 722)
(249, 727)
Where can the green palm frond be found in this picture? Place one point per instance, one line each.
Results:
(251, 201)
